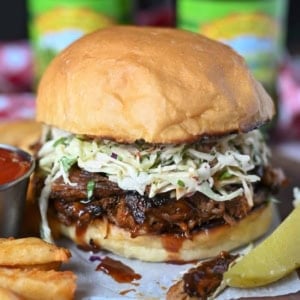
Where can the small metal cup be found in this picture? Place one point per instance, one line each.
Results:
(13, 197)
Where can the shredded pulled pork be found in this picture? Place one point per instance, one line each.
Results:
(142, 214)
(203, 280)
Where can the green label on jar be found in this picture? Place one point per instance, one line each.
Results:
(56, 24)
(253, 28)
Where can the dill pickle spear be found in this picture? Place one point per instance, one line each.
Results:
(277, 256)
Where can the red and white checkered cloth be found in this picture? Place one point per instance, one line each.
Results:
(16, 78)
(17, 106)
(289, 100)
(16, 67)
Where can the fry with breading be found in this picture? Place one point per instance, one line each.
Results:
(37, 284)
(31, 253)
(8, 294)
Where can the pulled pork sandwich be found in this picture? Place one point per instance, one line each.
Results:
(150, 148)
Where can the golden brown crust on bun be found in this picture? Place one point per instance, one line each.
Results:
(160, 85)
(157, 248)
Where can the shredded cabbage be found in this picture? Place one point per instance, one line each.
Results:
(210, 169)
(43, 205)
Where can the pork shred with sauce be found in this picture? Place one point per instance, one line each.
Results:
(140, 214)
(203, 280)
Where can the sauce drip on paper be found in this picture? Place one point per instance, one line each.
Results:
(202, 280)
(125, 292)
(116, 269)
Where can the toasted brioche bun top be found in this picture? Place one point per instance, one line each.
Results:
(159, 85)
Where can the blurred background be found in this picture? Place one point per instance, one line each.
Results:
(265, 32)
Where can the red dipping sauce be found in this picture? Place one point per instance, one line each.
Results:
(12, 165)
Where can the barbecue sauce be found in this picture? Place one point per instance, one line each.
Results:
(89, 248)
(203, 280)
(12, 166)
(80, 231)
(125, 292)
(117, 270)
(172, 244)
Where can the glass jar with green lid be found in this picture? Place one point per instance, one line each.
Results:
(254, 28)
(53, 25)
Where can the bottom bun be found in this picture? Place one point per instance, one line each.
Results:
(167, 247)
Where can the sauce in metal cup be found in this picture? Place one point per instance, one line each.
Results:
(16, 166)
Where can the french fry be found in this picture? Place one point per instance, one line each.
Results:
(31, 252)
(37, 284)
(8, 294)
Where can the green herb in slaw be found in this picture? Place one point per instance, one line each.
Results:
(90, 188)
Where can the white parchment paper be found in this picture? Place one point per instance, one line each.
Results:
(156, 278)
